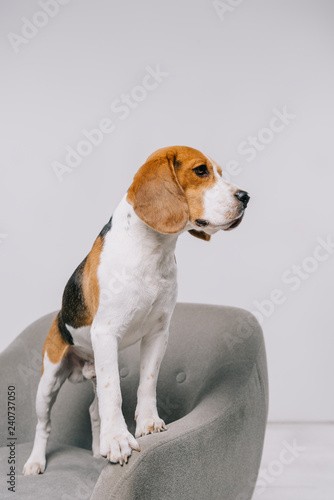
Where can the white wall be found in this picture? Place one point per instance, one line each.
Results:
(225, 79)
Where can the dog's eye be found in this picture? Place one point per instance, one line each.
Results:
(201, 171)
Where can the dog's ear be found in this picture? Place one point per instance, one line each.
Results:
(157, 197)
(200, 234)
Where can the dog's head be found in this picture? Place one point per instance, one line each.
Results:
(180, 188)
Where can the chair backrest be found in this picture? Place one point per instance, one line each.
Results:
(208, 346)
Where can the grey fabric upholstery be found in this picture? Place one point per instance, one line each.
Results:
(212, 393)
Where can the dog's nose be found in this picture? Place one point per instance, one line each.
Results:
(243, 197)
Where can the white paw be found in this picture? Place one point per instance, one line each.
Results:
(117, 447)
(32, 468)
(149, 425)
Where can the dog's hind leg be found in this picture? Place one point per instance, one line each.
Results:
(54, 375)
(56, 369)
(95, 421)
(88, 372)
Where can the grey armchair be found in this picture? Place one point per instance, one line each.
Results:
(212, 393)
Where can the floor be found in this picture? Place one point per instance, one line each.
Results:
(297, 463)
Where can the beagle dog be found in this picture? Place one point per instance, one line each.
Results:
(125, 291)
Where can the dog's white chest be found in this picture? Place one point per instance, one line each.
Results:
(137, 277)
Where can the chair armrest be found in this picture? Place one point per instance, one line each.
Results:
(213, 452)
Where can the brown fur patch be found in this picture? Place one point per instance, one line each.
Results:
(194, 187)
(79, 306)
(157, 197)
(55, 346)
(90, 284)
(200, 234)
(166, 192)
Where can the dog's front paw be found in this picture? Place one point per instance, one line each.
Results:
(149, 425)
(32, 468)
(118, 446)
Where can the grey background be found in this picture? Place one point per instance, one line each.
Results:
(226, 76)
